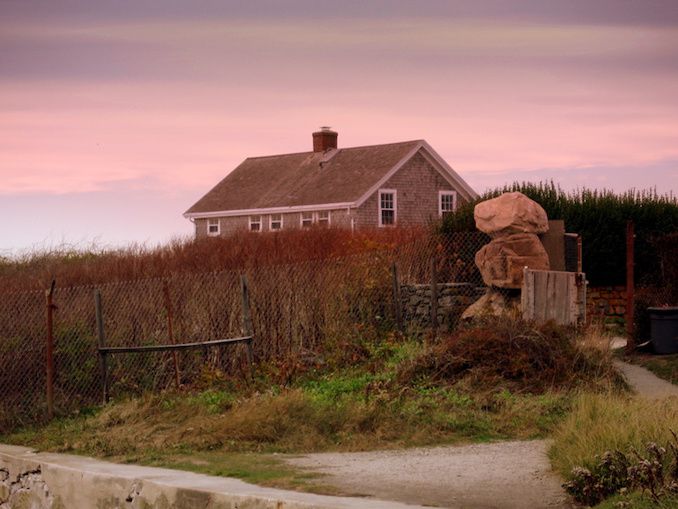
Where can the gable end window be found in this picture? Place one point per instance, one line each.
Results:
(276, 222)
(306, 219)
(388, 202)
(255, 223)
(447, 202)
(213, 227)
(323, 218)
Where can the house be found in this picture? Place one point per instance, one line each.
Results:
(404, 183)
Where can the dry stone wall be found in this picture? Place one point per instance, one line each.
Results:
(453, 299)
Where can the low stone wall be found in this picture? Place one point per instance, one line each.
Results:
(30, 480)
(453, 299)
(608, 302)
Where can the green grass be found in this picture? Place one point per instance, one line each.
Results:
(262, 469)
(400, 393)
(664, 366)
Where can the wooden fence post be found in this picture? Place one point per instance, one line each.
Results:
(630, 286)
(103, 361)
(170, 331)
(247, 327)
(434, 293)
(397, 303)
(50, 350)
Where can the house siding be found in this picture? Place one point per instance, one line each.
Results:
(339, 218)
(417, 184)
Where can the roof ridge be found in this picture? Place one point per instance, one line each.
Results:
(338, 149)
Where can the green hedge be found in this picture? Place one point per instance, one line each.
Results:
(600, 217)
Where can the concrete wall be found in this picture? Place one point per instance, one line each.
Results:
(30, 480)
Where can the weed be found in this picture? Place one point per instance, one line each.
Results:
(654, 473)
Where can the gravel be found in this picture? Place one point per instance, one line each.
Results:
(504, 475)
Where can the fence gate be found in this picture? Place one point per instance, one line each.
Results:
(553, 295)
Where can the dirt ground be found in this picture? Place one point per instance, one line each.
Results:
(506, 475)
(503, 475)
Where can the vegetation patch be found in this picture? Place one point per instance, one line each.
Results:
(612, 443)
(388, 393)
(516, 356)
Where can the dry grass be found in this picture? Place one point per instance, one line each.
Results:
(520, 357)
(94, 265)
(607, 422)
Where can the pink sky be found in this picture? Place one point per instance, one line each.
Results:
(116, 117)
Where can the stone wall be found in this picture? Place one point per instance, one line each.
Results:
(453, 299)
(608, 302)
(34, 480)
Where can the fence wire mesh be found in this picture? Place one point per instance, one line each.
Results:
(657, 286)
(297, 310)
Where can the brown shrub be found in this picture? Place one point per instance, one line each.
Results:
(514, 355)
(243, 250)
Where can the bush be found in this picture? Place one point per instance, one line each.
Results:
(600, 217)
(514, 355)
(655, 473)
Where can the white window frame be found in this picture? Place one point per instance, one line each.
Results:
(213, 222)
(301, 219)
(394, 192)
(453, 194)
(320, 219)
(271, 221)
(252, 222)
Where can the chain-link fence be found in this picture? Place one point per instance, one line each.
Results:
(297, 310)
(656, 286)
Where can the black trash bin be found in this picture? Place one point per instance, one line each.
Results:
(664, 329)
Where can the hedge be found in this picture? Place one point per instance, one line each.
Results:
(600, 217)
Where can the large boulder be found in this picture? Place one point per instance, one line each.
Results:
(501, 262)
(510, 213)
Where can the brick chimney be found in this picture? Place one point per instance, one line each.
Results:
(324, 139)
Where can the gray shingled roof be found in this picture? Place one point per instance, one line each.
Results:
(299, 179)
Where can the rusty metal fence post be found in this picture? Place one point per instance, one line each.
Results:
(434, 293)
(397, 304)
(103, 361)
(49, 295)
(247, 327)
(170, 331)
(630, 286)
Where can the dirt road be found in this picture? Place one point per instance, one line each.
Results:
(503, 475)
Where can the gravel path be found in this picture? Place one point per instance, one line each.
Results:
(646, 383)
(506, 475)
(502, 475)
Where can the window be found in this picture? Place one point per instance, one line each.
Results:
(306, 219)
(255, 223)
(447, 202)
(387, 207)
(213, 227)
(324, 218)
(276, 222)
